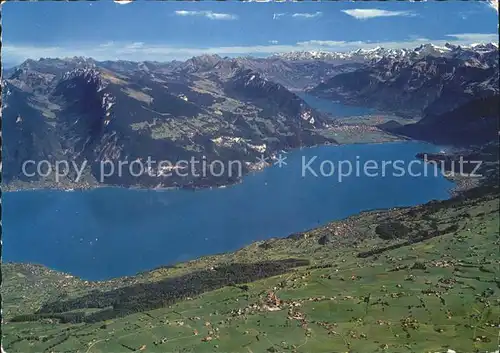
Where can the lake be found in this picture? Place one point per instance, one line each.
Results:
(110, 232)
(335, 109)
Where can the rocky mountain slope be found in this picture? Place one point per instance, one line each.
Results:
(428, 80)
(213, 108)
(205, 108)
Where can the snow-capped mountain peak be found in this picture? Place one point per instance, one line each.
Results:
(376, 53)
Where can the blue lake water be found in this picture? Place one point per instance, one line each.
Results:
(335, 109)
(109, 232)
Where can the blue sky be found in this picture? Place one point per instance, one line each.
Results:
(147, 30)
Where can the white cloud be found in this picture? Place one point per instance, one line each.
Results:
(307, 14)
(123, 2)
(273, 42)
(208, 14)
(276, 16)
(363, 14)
(139, 51)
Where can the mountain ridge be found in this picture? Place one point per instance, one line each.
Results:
(218, 107)
(418, 85)
(97, 112)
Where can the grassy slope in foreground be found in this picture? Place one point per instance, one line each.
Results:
(360, 293)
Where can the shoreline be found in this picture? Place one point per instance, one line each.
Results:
(207, 257)
(448, 196)
(192, 263)
(256, 169)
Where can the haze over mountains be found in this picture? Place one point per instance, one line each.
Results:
(224, 108)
